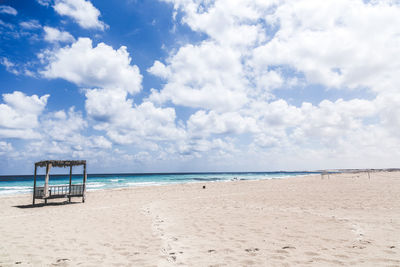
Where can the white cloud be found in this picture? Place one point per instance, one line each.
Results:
(125, 123)
(30, 24)
(63, 134)
(107, 105)
(19, 133)
(285, 44)
(204, 124)
(17, 69)
(8, 10)
(232, 23)
(65, 129)
(54, 35)
(6, 25)
(331, 121)
(44, 2)
(19, 115)
(327, 124)
(21, 103)
(252, 52)
(159, 69)
(101, 142)
(10, 66)
(331, 42)
(204, 76)
(197, 147)
(62, 126)
(81, 11)
(5, 147)
(99, 66)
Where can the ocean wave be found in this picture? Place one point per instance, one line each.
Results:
(145, 183)
(14, 192)
(200, 179)
(117, 180)
(15, 187)
(95, 185)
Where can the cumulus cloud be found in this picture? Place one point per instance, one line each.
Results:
(197, 147)
(99, 66)
(206, 123)
(54, 35)
(109, 106)
(64, 134)
(8, 10)
(227, 22)
(204, 76)
(82, 12)
(237, 83)
(330, 42)
(254, 50)
(126, 123)
(65, 129)
(64, 126)
(19, 115)
(100, 142)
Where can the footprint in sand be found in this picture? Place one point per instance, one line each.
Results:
(288, 247)
(252, 250)
(172, 256)
(61, 262)
(281, 251)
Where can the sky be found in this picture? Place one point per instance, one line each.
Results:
(200, 85)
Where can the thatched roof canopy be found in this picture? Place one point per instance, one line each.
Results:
(60, 163)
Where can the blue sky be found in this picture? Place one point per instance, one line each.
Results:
(184, 85)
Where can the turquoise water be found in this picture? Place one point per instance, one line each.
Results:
(10, 185)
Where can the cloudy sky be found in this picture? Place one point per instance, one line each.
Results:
(200, 85)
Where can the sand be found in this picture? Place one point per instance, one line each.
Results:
(345, 220)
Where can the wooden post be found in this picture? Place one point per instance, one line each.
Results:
(84, 182)
(70, 182)
(369, 177)
(46, 181)
(34, 186)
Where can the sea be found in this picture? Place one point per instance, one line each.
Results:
(23, 184)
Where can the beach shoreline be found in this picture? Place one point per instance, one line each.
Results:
(340, 220)
(14, 186)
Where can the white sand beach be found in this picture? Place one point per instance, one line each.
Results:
(305, 221)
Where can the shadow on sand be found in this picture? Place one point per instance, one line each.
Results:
(39, 205)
